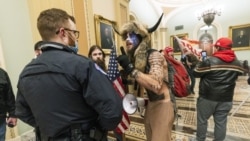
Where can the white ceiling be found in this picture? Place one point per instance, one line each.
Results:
(176, 3)
(148, 11)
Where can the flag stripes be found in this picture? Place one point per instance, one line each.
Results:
(114, 76)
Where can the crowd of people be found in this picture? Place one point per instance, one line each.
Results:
(59, 96)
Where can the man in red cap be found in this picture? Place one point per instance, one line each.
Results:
(218, 75)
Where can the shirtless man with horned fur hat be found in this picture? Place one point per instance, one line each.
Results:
(159, 115)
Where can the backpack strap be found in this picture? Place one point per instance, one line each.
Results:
(149, 51)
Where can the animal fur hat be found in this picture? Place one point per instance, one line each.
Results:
(139, 57)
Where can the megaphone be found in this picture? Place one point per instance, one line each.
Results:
(130, 103)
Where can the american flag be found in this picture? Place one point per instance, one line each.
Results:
(114, 76)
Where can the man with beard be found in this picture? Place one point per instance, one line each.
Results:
(98, 56)
(159, 115)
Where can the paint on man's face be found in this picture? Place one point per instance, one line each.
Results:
(134, 39)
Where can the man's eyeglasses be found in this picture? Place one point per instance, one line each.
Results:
(76, 33)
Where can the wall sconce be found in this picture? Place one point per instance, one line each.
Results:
(209, 15)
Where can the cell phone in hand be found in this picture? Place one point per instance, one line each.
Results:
(204, 55)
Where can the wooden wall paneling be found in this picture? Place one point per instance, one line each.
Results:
(80, 9)
(80, 16)
(36, 6)
(122, 10)
(85, 24)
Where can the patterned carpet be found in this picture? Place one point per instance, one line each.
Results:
(238, 128)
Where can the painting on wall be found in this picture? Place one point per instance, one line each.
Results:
(105, 35)
(240, 35)
(174, 42)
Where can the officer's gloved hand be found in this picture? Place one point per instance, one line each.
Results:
(124, 62)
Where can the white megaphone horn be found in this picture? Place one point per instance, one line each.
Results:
(130, 103)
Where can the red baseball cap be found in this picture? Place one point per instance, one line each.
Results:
(224, 43)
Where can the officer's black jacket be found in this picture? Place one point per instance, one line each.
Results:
(217, 78)
(7, 98)
(59, 89)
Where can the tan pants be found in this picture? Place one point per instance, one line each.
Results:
(159, 118)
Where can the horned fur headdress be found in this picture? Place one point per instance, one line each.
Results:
(143, 33)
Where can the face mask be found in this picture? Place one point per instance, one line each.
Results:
(75, 48)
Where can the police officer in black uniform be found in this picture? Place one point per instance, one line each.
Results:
(63, 95)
